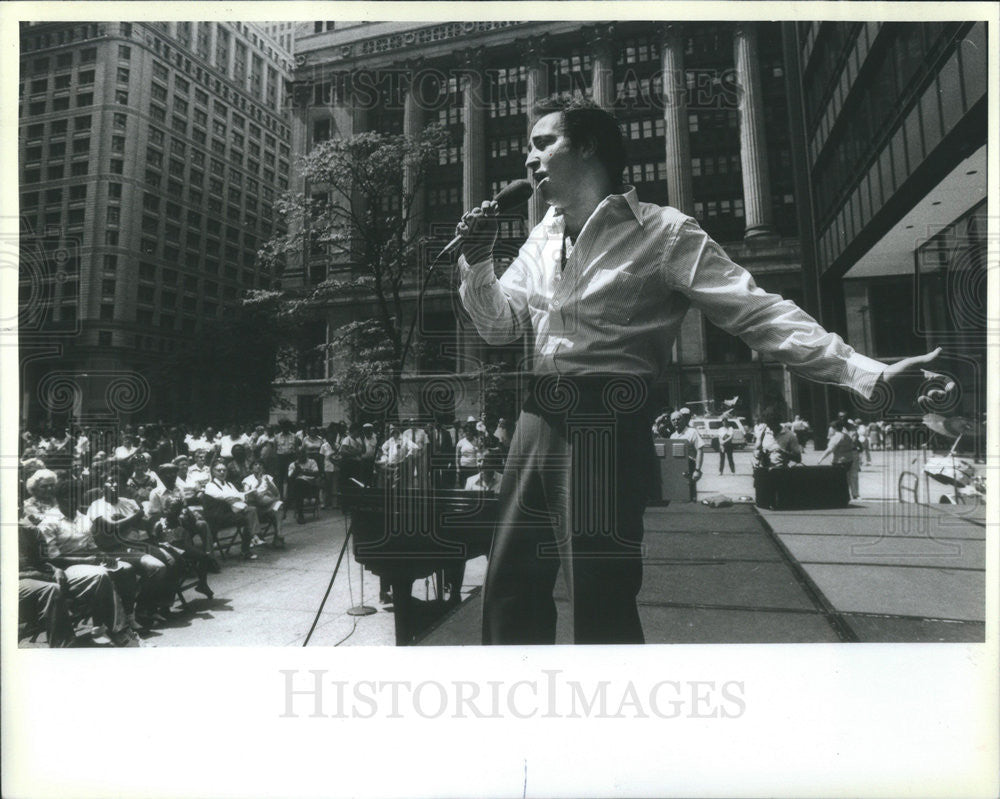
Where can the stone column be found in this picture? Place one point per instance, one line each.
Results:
(474, 186)
(213, 36)
(359, 124)
(413, 124)
(474, 115)
(753, 141)
(677, 140)
(533, 55)
(604, 48)
(294, 273)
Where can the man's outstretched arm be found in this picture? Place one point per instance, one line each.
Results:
(697, 266)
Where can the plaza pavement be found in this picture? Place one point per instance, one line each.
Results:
(879, 570)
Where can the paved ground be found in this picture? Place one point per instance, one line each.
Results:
(878, 571)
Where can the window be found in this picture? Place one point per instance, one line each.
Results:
(64, 60)
(40, 86)
(117, 166)
(115, 191)
(55, 172)
(58, 127)
(62, 82)
(111, 237)
(83, 100)
(56, 150)
(157, 112)
(108, 286)
(123, 74)
(124, 52)
(81, 146)
(78, 192)
(200, 117)
(121, 97)
(114, 216)
(181, 85)
(53, 196)
(159, 92)
(120, 121)
(86, 78)
(153, 178)
(693, 123)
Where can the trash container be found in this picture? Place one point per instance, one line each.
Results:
(671, 454)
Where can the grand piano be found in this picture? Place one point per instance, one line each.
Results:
(404, 535)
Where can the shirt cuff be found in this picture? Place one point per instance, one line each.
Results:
(478, 274)
(861, 373)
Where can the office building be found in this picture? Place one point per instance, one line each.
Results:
(892, 118)
(151, 154)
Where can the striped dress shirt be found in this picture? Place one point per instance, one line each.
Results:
(616, 304)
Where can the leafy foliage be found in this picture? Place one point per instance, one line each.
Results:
(358, 216)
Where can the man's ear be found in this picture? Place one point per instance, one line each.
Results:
(588, 148)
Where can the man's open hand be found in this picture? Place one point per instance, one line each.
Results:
(908, 364)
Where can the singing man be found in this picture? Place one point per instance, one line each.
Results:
(603, 283)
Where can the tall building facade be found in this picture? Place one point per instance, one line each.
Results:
(151, 155)
(892, 121)
(705, 112)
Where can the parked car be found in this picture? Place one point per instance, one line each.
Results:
(709, 427)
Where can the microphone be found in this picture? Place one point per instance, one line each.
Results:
(509, 197)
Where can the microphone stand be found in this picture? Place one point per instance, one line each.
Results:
(358, 610)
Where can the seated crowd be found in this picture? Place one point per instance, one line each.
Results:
(113, 528)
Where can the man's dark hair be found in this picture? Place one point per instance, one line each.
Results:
(584, 121)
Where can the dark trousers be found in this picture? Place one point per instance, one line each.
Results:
(573, 494)
(726, 452)
(281, 472)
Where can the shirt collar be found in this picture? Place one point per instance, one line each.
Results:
(553, 219)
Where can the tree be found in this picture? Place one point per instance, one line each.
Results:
(359, 213)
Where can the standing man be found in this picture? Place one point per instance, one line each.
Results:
(694, 445)
(726, 447)
(603, 283)
(801, 429)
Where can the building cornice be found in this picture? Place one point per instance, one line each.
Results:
(393, 43)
